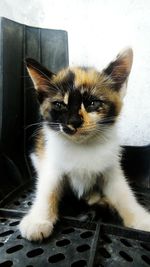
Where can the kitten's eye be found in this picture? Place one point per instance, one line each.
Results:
(94, 105)
(59, 105)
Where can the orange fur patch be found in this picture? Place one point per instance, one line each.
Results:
(85, 115)
(60, 76)
(39, 148)
(85, 78)
(53, 201)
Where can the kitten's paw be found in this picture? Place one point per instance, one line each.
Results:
(142, 223)
(93, 199)
(35, 229)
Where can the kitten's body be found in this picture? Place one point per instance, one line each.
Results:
(82, 163)
(78, 142)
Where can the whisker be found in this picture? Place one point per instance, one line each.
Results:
(34, 134)
(35, 124)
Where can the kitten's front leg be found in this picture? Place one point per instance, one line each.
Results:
(120, 195)
(39, 221)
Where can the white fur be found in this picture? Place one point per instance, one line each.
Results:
(81, 162)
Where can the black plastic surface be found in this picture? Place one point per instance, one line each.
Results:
(82, 237)
(69, 245)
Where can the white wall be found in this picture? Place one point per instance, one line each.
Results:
(97, 30)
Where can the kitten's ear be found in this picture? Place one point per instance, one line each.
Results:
(40, 76)
(119, 70)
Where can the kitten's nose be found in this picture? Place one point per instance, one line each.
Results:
(75, 121)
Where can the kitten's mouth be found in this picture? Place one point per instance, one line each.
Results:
(70, 131)
(78, 135)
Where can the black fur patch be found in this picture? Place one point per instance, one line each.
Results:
(42, 95)
(110, 117)
(71, 115)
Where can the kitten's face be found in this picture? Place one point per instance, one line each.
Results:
(81, 103)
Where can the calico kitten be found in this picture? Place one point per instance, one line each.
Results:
(78, 143)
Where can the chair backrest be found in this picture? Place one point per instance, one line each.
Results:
(18, 104)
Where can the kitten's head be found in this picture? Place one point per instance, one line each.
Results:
(81, 103)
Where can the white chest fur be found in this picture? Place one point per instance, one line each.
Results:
(81, 162)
